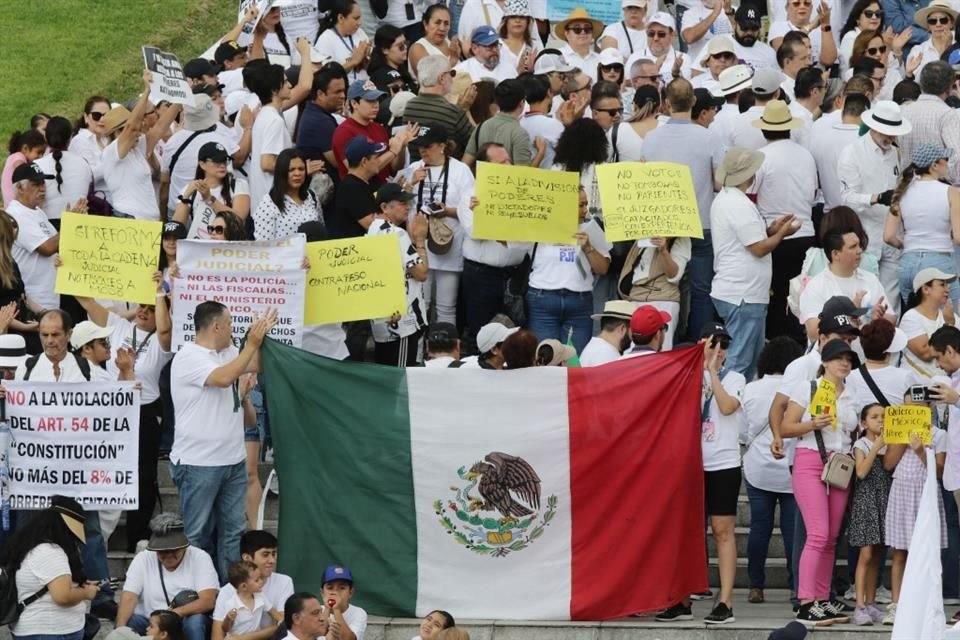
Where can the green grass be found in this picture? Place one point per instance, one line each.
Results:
(56, 53)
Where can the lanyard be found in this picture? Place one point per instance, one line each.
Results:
(626, 32)
(143, 345)
(349, 48)
(442, 178)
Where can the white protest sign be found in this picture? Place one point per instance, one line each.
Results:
(247, 277)
(77, 440)
(263, 8)
(168, 81)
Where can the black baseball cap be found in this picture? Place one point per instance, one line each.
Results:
(208, 89)
(175, 229)
(228, 50)
(431, 135)
(315, 230)
(30, 171)
(213, 151)
(838, 348)
(442, 332)
(391, 192)
(842, 305)
(711, 329)
(838, 323)
(747, 16)
(199, 67)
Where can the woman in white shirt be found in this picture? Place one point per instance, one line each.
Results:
(436, 26)
(72, 175)
(518, 49)
(928, 309)
(45, 558)
(767, 478)
(822, 509)
(91, 138)
(938, 18)
(289, 203)
(213, 190)
(924, 218)
(626, 138)
(560, 293)
(440, 183)
(344, 41)
(865, 15)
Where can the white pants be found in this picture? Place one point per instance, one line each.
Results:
(890, 278)
(442, 288)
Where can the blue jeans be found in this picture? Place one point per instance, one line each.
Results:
(76, 635)
(950, 557)
(95, 556)
(746, 323)
(911, 262)
(213, 499)
(700, 278)
(195, 627)
(552, 313)
(762, 507)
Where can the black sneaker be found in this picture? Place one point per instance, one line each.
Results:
(813, 614)
(837, 609)
(106, 610)
(702, 595)
(675, 613)
(721, 614)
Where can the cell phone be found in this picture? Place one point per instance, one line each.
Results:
(408, 7)
(920, 393)
(432, 208)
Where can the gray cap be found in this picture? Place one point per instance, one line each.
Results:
(766, 81)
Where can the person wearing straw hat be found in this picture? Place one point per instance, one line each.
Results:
(579, 30)
(924, 218)
(628, 35)
(614, 337)
(702, 23)
(718, 55)
(786, 182)
(939, 18)
(743, 240)
(868, 171)
(45, 557)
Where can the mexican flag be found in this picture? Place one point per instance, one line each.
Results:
(538, 494)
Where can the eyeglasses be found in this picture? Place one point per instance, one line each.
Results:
(657, 34)
(216, 229)
(103, 342)
(874, 51)
(97, 115)
(580, 30)
(940, 20)
(495, 45)
(586, 87)
(869, 13)
(612, 112)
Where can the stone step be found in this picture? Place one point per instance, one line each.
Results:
(774, 548)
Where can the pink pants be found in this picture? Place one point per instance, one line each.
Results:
(822, 513)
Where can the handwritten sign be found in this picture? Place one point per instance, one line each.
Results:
(77, 440)
(247, 277)
(824, 401)
(168, 82)
(112, 258)
(525, 204)
(901, 421)
(648, 200)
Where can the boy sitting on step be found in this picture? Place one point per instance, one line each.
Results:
(260, 548)
(242, 612)
(336, 591)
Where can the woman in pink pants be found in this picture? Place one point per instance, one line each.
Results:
(822, 507)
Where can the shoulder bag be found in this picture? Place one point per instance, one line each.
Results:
(838, 467)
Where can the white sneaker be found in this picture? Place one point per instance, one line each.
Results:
(851, 593)
(951, 601)
(885, 597)
(891, 616)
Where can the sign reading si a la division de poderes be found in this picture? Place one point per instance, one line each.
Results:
(525, 204)
(112, 258)
(168, 82)
(355, 279)
(76, 440)
(247, 277)
(648, 200)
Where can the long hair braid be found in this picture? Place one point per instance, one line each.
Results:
(58, 169)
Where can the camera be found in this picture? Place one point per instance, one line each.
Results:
(432, 208)
(920, 393)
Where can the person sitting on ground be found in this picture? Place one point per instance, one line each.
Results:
(434, 623)
(443, 346)
(304, 617)
(614, 336)
(490, 340)
(165, 625)
(260, 548)
(519, 350)
(648, 327)
(553, 353)
(349, 621)
(170, 573)
(243, 611)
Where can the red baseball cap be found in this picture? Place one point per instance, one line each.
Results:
(647, 320)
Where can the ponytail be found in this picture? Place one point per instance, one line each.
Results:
(58, 169)
(282, 35)
(14, 145)
(906, 177)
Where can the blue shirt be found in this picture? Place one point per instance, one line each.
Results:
(315, 136)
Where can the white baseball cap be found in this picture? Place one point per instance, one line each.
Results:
(551, 62)
(492, 334)
(88, 331)
(664, 18)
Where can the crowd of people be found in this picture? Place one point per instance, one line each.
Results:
(820, 142)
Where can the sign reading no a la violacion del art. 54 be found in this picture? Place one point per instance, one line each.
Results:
(76, 440)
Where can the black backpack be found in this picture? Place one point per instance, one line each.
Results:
(10, 604)
(32, 361)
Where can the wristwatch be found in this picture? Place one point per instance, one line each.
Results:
(183, 199)
(826, 28)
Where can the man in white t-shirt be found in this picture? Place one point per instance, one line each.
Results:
(162, 572)
(208, 459)
(443, 346)
(485, 60)
(614, 336)
(628, 35)
(36, 240)
(93, 343)
(648, 330)
(746, 33)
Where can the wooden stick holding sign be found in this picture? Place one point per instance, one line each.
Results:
(168, 82)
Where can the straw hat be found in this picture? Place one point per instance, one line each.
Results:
(885, 118)
(115, 118)
(620, 309)
(738, 166)
(937, 6)
(577, 15)
(777, 117)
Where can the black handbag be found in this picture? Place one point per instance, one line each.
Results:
(515, 291)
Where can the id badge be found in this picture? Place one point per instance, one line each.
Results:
(708, 431)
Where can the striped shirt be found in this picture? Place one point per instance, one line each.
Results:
(433, 111)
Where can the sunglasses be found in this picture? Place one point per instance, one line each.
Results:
(103, 342)
(940, 20)
(612, 112)
(726, 55)
(657, 34)
(869, 13)
(723, 343)
(651, 78)
(218, 229)
(801, 3)
(97, 115)
(581, 30)
(616, 66)
(873, 51)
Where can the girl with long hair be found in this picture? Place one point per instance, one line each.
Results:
(213, 189)
(12, 288)
(24, 147)
(72, 175)
(344, 41)
(627, 137)
(290, 201)
(388, 61)
(518, 49)
(928, 308)
(436, 27)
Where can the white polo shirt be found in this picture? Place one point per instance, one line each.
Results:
(787, 182)
(739, 276)
(826, 143)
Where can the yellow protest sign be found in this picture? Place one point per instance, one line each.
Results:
(354, 279)
(104, 257)
(648, 200)
(902, 420)
(525, 204)
(824, 401)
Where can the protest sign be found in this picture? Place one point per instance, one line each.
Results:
(76, 440)
(605, 11)
(355, 279)
(525, 204)
(648, 200)
(168, 82)
(263, 8)
(902, 420)
(112, 258)
(248, 277)
(824, 401)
